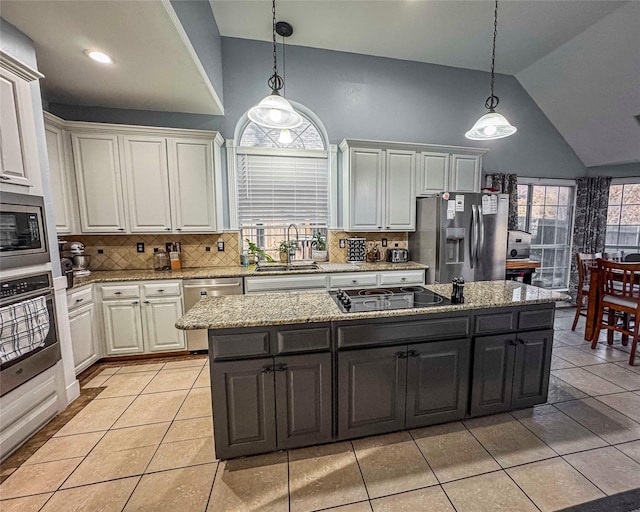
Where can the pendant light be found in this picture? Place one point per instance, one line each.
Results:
(274, 111)
(491, 125)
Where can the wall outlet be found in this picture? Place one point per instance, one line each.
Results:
(343, 243)
(140, 247)
(207, 249)
(155, 249)
(396, 244)
(220, 246)
(384, 242)
(100, 251)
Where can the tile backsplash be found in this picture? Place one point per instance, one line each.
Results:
(339, 255)
(119, 251)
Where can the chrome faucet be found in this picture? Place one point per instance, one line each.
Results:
(289, 251)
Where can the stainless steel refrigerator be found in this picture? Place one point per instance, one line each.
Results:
(461, 235)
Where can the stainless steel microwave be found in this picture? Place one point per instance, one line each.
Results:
(23, 233)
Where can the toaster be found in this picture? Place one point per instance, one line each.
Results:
(518, 245)
(397, 255)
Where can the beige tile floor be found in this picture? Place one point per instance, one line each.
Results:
(146, 443)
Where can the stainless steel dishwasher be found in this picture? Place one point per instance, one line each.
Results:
(193, 292)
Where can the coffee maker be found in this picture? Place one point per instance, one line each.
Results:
(75, 252)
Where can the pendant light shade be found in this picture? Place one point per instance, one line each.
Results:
(274, 111)
(492, 125)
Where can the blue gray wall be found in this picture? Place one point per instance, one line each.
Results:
(21, 47)
(616, 171)
(359, 96)
(198, 21)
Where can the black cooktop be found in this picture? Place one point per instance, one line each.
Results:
(383, 299)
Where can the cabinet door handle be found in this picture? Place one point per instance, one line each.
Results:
(178, 229)
(267, 369)
(135, 302)
(5, 178)
(79, 300)
(403, 279)
(521, 341)
(354, 281)
(167, 229)
(513, 342)
(161, 290)
(117, 293)
(402, 355)
(412, 353)
(280, 368)
(120, 229)
(146, 302)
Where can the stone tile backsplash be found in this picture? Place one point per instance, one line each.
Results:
(119, 251)
(338, 255)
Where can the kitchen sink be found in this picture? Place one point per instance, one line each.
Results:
(282, 267)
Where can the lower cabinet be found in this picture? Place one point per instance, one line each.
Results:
(83, 337)
(159, 319)
(122, 327)
(271, 403)
(406, 386)
(510, 371)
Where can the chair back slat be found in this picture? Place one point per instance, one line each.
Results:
(620, 279)
(585, 263)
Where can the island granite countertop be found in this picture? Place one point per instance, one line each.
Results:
(296, 308)
(106, 276)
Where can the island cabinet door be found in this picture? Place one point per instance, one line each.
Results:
(437, 382)
(371, 391)
(492, 378)
(303, 400)
(244, 407)
(532, 368)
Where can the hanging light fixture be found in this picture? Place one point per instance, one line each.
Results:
(491, 125)
(274, 111)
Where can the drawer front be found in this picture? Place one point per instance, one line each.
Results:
(120, 291)
(75, 299)
(416, 330)
(402, 277)
(489, 323)
(161, 289)
(231, 346)
(304, 340)
(536, 318)
(285, 283)
(353, 280)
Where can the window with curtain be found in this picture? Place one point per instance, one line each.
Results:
(546, 212)
(280, 183)
(623, 218)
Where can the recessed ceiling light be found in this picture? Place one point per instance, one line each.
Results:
(100, 57)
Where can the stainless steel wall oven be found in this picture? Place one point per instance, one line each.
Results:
(23, 232)
(20, 369)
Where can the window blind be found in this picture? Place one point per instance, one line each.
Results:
(280, 190)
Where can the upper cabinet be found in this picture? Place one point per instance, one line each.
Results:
(134, 179)
(379, 188)
(19, 162)
(449, 171)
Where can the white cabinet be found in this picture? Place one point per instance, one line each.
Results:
(378, 188)
(61, 175)
(19, 162)
(122, 327)
(353, 280)
(284, 283)
(448, 172)
(160, 316)
(193, 187)
(400, 191)
(147, 179)
(82, 321)
(140, 318)
(98, 173)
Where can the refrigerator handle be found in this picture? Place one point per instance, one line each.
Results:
(481, 233)
(472, 237)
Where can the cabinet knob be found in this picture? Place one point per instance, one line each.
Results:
(354, 281)
(167, 229)
(135, 302)
(146, 302)
(379, 227)
(403, 279)
(178, 229)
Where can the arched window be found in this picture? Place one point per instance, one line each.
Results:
(281, 183)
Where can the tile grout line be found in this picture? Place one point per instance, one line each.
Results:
(288, 481)
(364, 482)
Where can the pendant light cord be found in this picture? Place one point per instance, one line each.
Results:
(275, 81)
(492, 100)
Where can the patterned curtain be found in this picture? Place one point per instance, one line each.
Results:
(508, 184)
(589, 230)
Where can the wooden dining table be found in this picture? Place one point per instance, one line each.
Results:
(595, 295)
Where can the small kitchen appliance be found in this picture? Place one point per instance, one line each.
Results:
(518, 245)
(75, 251)
(397, 255)
(23, 235)
(383, 299)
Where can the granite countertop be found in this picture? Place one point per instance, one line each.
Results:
(105, 276)
(291, 308)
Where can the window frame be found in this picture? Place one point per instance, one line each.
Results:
(554, 182)
(627, 249)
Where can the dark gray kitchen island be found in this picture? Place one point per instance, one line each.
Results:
(293, 370)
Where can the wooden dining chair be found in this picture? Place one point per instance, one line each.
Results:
(620, 294)
(632, 258)
(584, 262)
